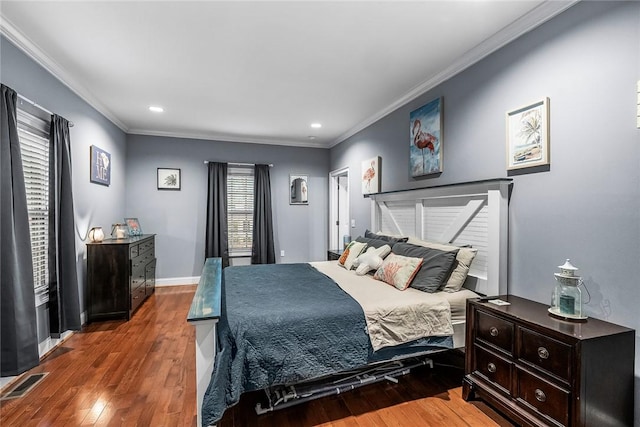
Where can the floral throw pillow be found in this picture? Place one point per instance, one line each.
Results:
(398, 270)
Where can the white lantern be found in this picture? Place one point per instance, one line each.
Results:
(566, 300)
(96, 235)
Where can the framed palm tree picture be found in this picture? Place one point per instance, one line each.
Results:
(528, 136)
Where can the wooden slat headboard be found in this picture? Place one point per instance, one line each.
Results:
(471, 213)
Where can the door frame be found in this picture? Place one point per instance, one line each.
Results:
(333, 204)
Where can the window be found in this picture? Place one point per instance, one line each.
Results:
(240, 210)
(33, 132)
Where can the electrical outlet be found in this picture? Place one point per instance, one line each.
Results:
(282, 253)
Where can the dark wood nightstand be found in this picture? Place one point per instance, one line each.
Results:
(541, 371)
(334, 254)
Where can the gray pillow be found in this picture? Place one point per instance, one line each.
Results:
(376, 243)
(388, 239)
(436, 265)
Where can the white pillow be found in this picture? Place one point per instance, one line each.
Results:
(372, 259)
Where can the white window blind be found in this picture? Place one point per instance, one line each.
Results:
(33, 133)
(240, 210)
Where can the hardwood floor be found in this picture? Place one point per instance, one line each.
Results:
(142, 373)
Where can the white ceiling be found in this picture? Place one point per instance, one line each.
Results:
(261, 71)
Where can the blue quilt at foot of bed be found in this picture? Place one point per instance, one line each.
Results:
(281, 324)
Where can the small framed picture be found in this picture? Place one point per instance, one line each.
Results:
(528, 136)
(134, 226)
(299, 190)
(100, 164)
(371, 175)
(168, 179)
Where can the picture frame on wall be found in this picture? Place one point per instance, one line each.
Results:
(134, 226)
(528, 136)
(169, 179)
(100, 166)
(298, 189)
(425, 144)
(371, 182)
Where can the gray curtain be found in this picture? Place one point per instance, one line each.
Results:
(217, 238)
(263, 251)
(18, 328)
(64, 302)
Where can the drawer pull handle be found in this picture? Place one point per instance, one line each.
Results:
(540, 396)
(493, 331)
(543, 353)
(491, 367)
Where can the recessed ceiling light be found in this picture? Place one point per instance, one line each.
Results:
(156, 109)
(316, 125)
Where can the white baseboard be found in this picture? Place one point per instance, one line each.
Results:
(51, 343)
(177, 281)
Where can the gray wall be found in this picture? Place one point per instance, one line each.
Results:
(178, 217)
(587, 206)
(95, 205)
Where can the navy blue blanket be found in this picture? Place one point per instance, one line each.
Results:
(282, 324)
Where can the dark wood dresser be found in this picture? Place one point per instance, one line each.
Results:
(121, 274)
(543, 371)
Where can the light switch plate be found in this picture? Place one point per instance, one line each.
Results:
(638, 104)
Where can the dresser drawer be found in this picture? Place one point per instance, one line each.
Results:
(495, 331)
(133, 251)
(136, 282)
(494, 368)
(145, 247)
(137, 297)
(546, 353)
(546, 398)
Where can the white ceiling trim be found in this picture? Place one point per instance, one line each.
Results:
(8, 30)
(524, 24)
(226, 138)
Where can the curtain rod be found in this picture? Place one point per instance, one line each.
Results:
(235, 164)
(40, 107)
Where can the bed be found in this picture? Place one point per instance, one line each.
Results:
(305, 321)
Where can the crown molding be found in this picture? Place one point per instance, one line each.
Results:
(521, 26)
(526, 23)
(22, 42)
(212, 136)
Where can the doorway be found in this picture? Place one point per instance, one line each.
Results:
(338, 207)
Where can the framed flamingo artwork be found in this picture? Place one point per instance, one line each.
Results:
(371, 176)
(425, 145)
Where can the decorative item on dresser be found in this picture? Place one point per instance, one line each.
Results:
(121, 274)
(543, 371)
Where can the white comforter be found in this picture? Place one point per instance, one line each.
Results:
(393, 317)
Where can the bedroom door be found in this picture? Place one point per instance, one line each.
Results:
(338, 207)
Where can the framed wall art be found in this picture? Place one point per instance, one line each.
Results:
(169, 179)
(371, 182)
(100, 165)
(299, 189)
(425, 145)
(528, 136)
